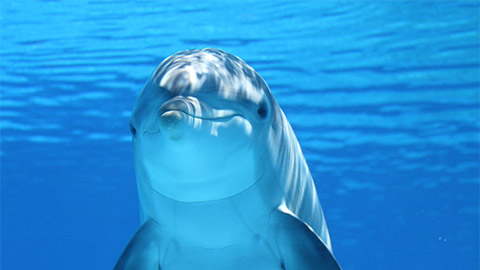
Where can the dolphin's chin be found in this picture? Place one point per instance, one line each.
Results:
(202, 190)
(206, 179)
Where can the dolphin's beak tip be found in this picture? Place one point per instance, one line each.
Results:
(170, 119)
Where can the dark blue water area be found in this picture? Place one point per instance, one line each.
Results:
(383, 97)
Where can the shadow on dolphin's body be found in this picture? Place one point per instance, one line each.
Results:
(221, 178)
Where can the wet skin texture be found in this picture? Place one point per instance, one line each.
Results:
(221, 178)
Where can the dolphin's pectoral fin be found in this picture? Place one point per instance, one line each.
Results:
(143, 251)
(300, 248)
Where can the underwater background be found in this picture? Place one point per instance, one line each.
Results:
(383, 97)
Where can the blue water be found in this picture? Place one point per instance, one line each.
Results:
(383, 97)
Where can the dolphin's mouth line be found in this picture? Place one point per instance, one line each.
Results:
(151, 132)
(224, 118)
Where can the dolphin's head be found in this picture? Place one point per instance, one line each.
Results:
(199, 126)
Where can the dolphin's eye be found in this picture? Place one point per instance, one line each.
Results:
(262, 111)
(132, 129)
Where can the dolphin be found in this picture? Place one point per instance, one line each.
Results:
(222, 181)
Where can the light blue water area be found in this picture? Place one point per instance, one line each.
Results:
(383, 96)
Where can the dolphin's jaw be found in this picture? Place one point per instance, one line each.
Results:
(190, 158)
(200, 178)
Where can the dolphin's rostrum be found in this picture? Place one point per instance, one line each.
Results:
(222, 181)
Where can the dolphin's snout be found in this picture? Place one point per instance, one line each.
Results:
(170, 119)
(181, 115)
(174, 116)
(172, 124)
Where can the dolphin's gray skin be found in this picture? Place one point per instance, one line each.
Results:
(222, 180)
